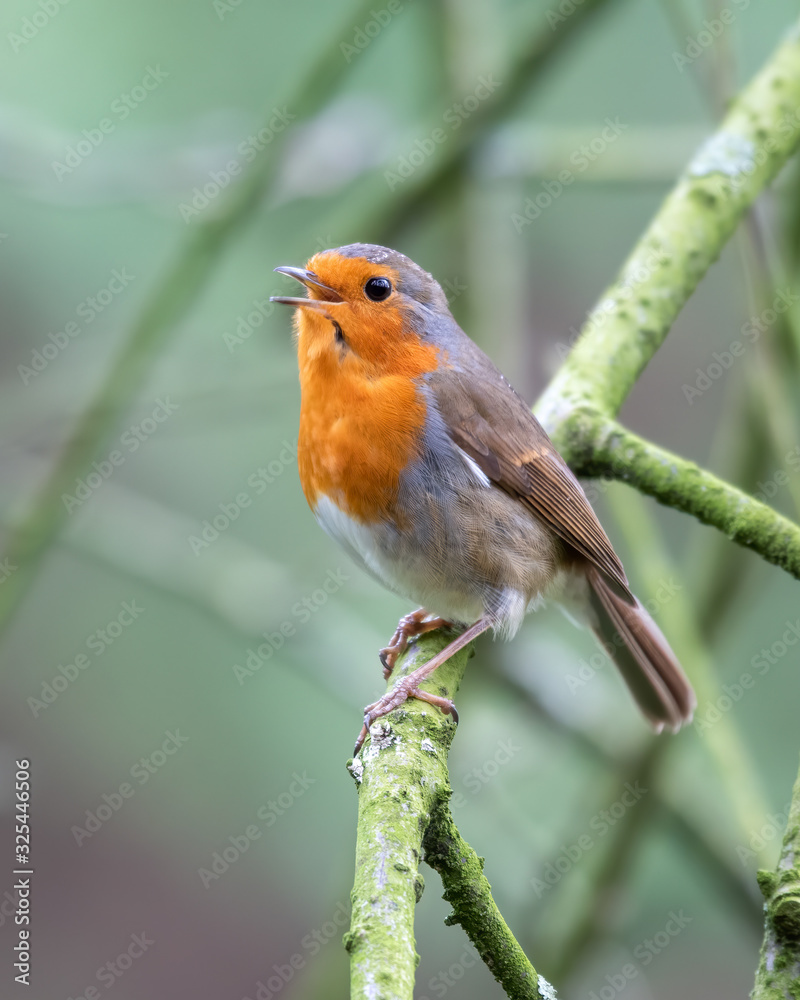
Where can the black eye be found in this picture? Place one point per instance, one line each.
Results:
(378, 289)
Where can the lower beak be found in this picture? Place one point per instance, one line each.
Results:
(327, 296)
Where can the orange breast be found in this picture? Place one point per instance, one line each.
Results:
(360, 425)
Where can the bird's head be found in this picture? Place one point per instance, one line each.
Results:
(370, 306)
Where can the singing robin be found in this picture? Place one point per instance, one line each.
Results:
(420, 459)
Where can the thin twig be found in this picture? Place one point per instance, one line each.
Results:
(377, 214)
(470, 894)
(609, 450)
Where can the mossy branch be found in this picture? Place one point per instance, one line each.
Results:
(468, 891)
(778, 972)
(698, 217)
(759, 133)
(403, 795)
(602, 447)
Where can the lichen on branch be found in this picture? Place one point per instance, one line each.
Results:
(626, 328)
(402, 773)
(604, 448)
(403, 795)
(698, 217)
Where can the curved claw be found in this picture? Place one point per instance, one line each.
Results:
(408, 686)
(361, 737)
(393, 700)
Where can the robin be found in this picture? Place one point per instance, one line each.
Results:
(420, 459)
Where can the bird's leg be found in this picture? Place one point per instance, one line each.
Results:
(409, 627)
(408, 687)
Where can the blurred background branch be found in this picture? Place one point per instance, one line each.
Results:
(246, 608)
(619, 338)
(173, 296)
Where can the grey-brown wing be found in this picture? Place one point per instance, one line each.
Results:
(494, 426)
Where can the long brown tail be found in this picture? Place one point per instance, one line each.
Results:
(642, 654)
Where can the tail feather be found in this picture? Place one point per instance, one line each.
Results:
(642, 655)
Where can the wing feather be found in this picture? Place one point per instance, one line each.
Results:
(494, 426)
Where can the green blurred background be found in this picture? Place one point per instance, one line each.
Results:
(156, 102)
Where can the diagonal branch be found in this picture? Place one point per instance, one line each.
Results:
(426, 187)
(403, 795)
(753, 142)
(468, 891)
(402, 774)
(760, 132)
(171, 300)
(602, 447)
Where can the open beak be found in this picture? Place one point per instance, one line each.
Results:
(327, 296)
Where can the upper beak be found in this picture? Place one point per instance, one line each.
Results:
(327, 295)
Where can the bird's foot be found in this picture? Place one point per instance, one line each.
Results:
(408, 686)
(409, 627)
(393, 699)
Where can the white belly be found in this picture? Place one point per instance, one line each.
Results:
(407, 570)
